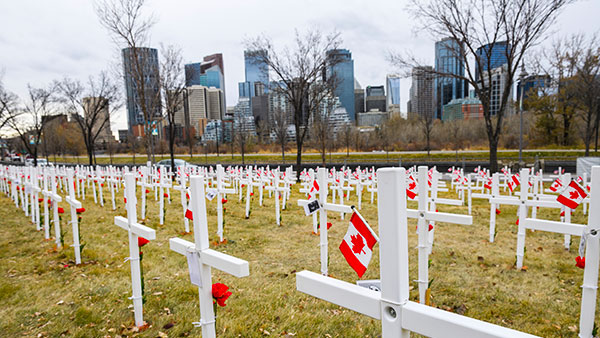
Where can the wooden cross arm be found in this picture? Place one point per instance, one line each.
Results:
(505, 200)
(338, 208)
(442, 217)
(432, 322)
(232, 265)
(73, 202)
(136, 228)
(302, 203)
(344, 294)
(554, 226)
(447, 201)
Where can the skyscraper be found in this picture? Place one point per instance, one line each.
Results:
(392, 83)
(421, 91)
(492, 56)
(208, 73)
(141, 63)
(256, 76)
(375, 98)
(448, 59)
(343, 70)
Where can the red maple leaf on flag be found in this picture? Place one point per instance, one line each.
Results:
(573, 194)
(357, 243)
(412, 185)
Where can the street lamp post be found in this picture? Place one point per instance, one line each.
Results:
(521, 79)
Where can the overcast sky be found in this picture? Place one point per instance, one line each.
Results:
(45, 40)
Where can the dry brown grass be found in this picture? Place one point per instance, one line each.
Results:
(41, 292)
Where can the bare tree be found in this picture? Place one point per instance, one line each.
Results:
(172, 85)
(585, 57)
(8, 104)
(94, 102)
(512, 27)
(346, 135)
(298, 73)
(280, 128)
(29, 120)
(426, 123)
(130, 29)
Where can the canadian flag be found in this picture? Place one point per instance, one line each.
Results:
(556, 185)
(572, 195)
(357, 246)
(488, 184)
(411, 189)
(579, 179)
(313, 190)
(513, 182)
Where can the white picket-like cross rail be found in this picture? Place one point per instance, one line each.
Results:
(398, 315)
(325, 206)
(424, 216)
(207, 258)
(134, 230)
(74, 205)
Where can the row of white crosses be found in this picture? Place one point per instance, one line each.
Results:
(277, 190)
(221, 192)
(201, 258)
(399, 316)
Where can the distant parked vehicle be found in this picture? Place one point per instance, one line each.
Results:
(40, 162)
(178, 163)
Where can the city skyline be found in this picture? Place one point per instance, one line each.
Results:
(38, 48)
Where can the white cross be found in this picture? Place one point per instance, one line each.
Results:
(75, 204)
(276, 189)
(182, 178)
(143, 183)
(162, 184)
(221, 192)
(55, 198)
(205, 257)
(322, 181)
(134, 230)
(398, 315)
(424, 215)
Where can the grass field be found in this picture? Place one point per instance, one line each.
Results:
(42, 293)
(290, 158)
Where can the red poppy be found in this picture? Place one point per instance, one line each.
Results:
(223, 200)
(40, 200)
(189, 215)
(220, 293)
(49, 201)
(497, 211)
(147, 191)
(187, 195)
(329, 225)
(430, 227)
(243, 185)
(18, 188)
(61, 210)
(251, 194)
(80, 210)
(165, 195)
(562, 214)
(517, 222)
(580, 262)
(142, 241)
(125, 200)
(102, 185)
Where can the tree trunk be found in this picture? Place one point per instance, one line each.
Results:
(298, 157)
(493, 156)
(171, 148)
(283, 152)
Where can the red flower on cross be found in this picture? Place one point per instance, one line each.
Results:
(142, 241)
(61, 210)
(580, 262)
(80, 210)
(220, 293)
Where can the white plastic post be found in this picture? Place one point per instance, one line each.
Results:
(522, 215)
(74, 204)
